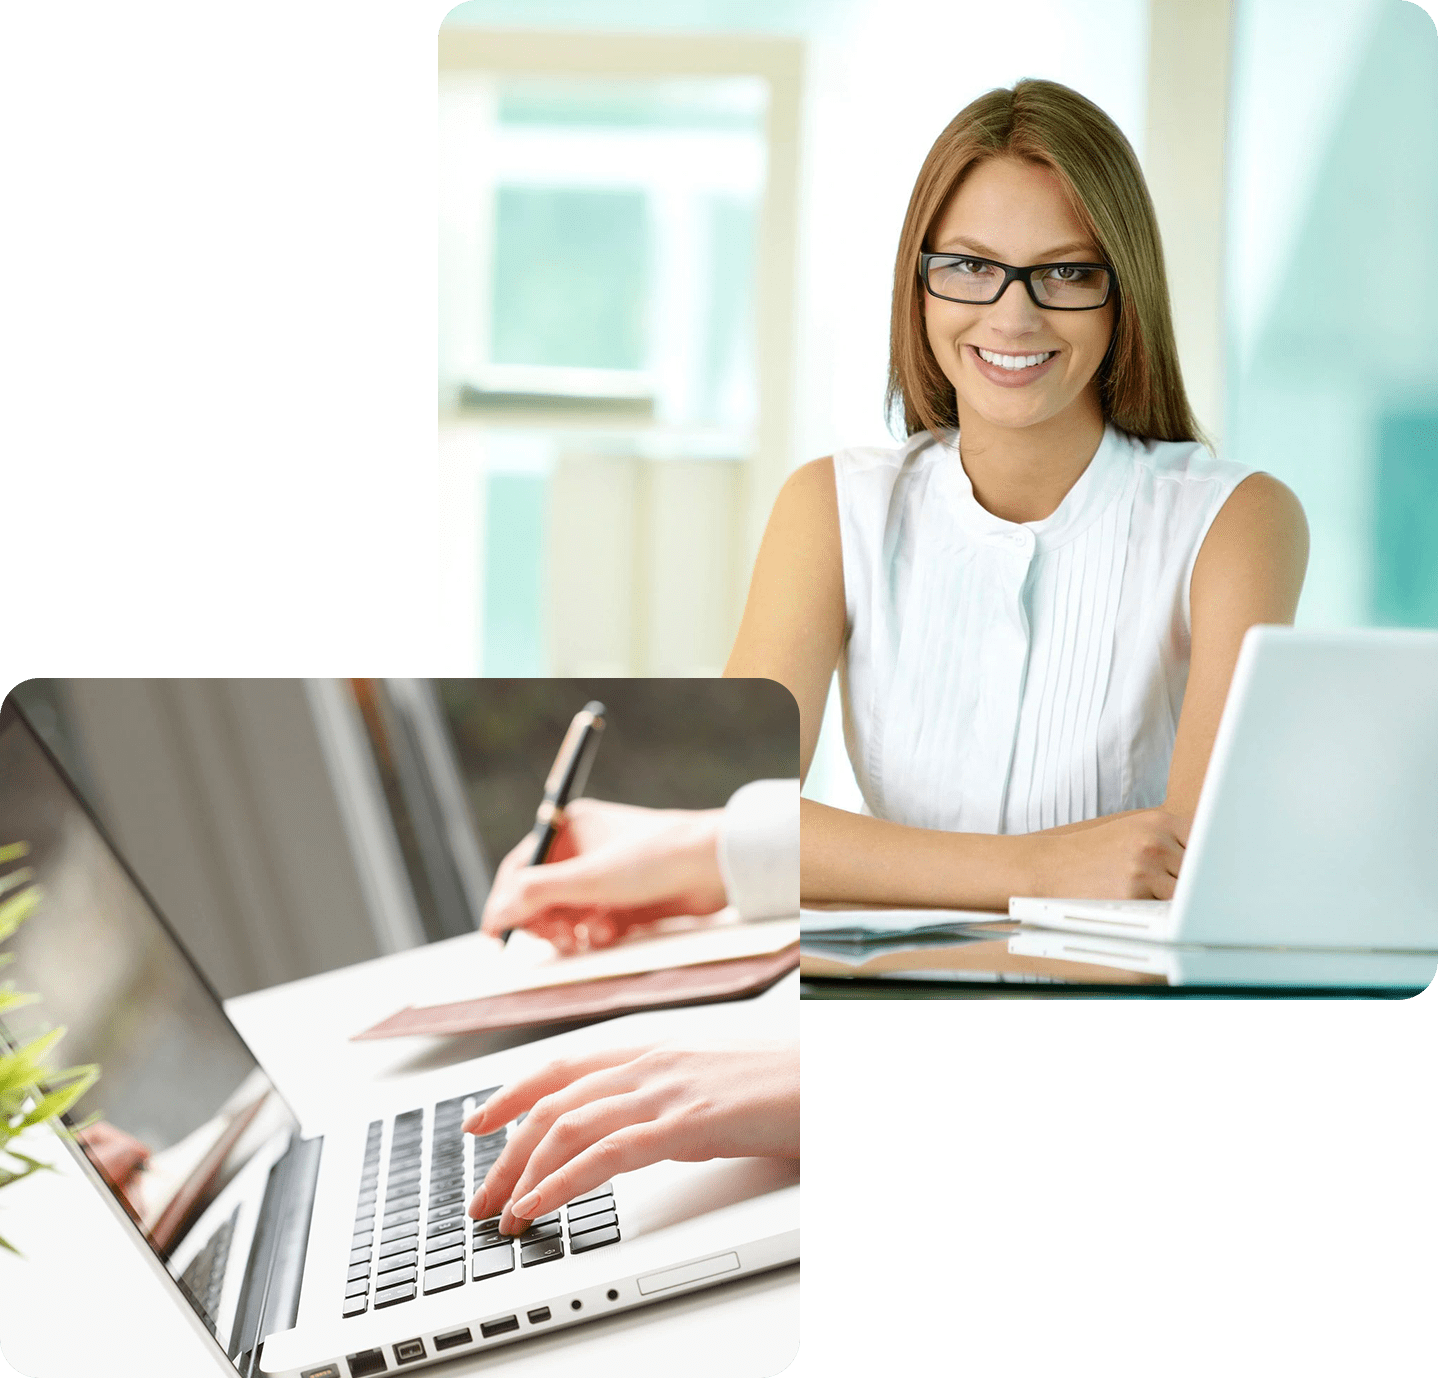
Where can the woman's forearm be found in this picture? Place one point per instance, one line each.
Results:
(863, 860)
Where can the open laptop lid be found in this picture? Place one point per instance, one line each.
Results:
(1314, 827)
(175, 1075)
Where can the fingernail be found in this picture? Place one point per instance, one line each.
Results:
(525, 1209)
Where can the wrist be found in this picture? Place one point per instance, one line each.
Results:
(1033, 873)
(696, 848)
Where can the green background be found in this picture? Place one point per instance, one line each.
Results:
(216, 443)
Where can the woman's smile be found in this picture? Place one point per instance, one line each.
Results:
(1008, 370)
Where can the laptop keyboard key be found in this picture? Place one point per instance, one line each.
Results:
(444, 1277)
(544, 1252)
(392, 1296)
(356, 1306)
(488, 1263)
(438, 1256)
(598, 1207)
(579, 1228)
(396, 1262)
(594, 1239)
(537, 1232)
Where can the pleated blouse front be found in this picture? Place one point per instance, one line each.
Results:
(1003, 677)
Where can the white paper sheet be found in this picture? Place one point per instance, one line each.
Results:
(860, 923)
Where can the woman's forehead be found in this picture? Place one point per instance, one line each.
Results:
(1010, 210)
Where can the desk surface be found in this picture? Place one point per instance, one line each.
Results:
(1003, 959)
(300, 1032)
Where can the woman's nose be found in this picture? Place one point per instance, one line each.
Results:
(1014, 313)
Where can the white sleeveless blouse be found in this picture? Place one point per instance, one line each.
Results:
(1002, 677)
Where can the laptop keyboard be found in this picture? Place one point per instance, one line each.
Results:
(411, 1233)
(205, 1277)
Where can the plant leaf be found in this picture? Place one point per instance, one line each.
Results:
(18, 908)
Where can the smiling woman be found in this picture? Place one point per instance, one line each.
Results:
(1034, 604)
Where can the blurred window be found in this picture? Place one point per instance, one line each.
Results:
(599, 255)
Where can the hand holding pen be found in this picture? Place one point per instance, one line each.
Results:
(610, 868)
(565, 782)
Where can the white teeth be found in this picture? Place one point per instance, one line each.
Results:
(1013, 362)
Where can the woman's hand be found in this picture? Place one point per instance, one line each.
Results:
(1132, 856)
(593, 1117)
(612, 866)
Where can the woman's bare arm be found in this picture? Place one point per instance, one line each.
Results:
(793, 624)
(1249, 570)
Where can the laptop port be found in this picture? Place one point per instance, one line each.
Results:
(499, 1327)
(367, 1361)
(539, 1315)
(407, 1351)
(452, 1338)
(328, 1371)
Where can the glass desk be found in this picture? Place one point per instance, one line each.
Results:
(1002, 958)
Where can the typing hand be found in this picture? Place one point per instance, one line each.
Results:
(1130, 856)
(611, 867)
(593, 1117)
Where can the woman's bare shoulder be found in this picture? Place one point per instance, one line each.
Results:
(807, 508)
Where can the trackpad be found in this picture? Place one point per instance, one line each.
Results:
(697, 1271)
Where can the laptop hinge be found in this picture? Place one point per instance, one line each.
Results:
(270, 1297)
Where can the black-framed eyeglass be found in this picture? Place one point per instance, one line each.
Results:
(982, 281)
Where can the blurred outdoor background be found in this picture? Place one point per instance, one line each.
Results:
(666, 250)
(287, 827)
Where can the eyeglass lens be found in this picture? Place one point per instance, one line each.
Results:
(1060, 285)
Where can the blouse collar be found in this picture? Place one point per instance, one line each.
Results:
(1099, 484)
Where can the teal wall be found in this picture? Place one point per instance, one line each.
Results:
(1335, 387)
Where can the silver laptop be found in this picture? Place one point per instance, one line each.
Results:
(342, 1249)
(1315, 827)
(1275, 968)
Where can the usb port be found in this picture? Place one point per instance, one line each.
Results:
(407, 1351)
(539, 1315)
(499, 1327)
(452, 1338)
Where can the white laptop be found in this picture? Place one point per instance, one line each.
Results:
(342, 1249)
(1276, 968)
(1316, 824)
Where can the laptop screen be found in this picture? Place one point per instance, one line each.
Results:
(181, 1106)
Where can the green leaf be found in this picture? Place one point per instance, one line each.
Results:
(60, 1100)
(22, 1069)
(18, 908)
(11, 999)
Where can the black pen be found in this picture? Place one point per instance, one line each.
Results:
(565, 782)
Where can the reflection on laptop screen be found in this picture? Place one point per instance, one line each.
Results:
(175, 1077)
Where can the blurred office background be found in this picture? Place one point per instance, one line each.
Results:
(287, 827)
(666, 248)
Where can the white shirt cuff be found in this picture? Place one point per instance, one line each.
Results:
(759, 849)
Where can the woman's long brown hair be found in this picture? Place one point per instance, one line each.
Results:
(1045, 123)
